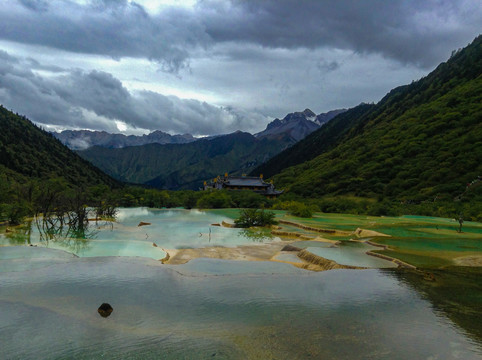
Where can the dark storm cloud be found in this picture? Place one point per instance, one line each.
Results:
(420, 32)
(411, 31)
(92, 100)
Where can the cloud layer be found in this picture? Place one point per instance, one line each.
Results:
(252, 59)
(408, 30)
(96, 99)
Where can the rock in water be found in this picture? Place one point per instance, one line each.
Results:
(290, 247)
(105, 310)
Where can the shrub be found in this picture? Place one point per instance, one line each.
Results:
(297, 208)
(249, 199)
(255, 217)
(15, 213)
(214, 200)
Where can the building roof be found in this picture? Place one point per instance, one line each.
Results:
(245, 181)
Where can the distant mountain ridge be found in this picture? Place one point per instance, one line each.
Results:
(83, 139)
(297, 125)
(188, 165)
(184, 166)
(294, 127)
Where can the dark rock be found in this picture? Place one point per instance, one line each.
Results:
(291, 248)
(105, 310)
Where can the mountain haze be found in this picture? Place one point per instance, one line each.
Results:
(83, 139)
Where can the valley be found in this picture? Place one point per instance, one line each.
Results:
(162, 196)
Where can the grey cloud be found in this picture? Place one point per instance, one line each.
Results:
(408, 31)
(34, 64)
(96, 99)
(411, 31)
(325, 66)
(26, 93)
(36, 5)
(112, 28)
(7, 58)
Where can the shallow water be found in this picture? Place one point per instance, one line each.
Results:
(219, 309)
(349, 253)
(169, 229)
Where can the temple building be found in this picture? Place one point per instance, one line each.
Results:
(256, 184)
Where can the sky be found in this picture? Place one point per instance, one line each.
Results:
(215, 66)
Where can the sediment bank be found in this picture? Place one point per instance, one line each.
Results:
(400, 263)
(318, 263)
(362, 233)
(314, 229)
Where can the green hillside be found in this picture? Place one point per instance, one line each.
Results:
(27, 152)
(421, 142)
(315, 143)
(184, 166)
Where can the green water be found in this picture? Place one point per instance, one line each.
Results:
(169, 229)
(419, 240)
(348, 253)
(220, 309)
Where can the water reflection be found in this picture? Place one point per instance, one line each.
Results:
(21, 236)
(454, 292)
(258, 235)
(186, 313)
(73, 236)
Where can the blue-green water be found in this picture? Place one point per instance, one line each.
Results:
(208, 309)
(350, 253)
(168, 229)
(219, 309)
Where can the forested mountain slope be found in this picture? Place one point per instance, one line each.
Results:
(184, 166)
(315, 143)
(27, 152)
(420, 142)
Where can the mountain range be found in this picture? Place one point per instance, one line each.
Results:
(422, 142)
(188, 165)
(291, 129)
(184, 166)
(83, 139)
(297, 125)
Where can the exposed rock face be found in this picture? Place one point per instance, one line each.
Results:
(322, 119)
(297, 125)
(105, 310)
